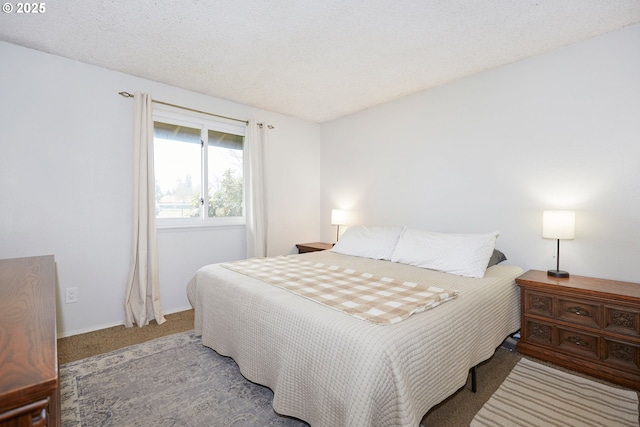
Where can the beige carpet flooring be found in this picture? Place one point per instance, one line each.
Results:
(457, 411)
(81, 346)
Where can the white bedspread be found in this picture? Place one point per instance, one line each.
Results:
(331, 369)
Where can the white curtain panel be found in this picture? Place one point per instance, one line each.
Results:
(142, 299)
(256, 188)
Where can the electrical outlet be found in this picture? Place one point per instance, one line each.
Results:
(71, 295)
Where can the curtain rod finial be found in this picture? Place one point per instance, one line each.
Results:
(125, 94)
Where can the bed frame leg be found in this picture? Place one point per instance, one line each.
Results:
(474, 379)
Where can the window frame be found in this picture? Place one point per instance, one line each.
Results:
(180, 117)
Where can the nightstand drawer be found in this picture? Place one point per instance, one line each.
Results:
(623, 354)
(579, 343)
(622, 320)
(579, 312)
(538, 332)
(538, 304)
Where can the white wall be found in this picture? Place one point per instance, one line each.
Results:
(491, 151)
(487, 152)
(65, 183)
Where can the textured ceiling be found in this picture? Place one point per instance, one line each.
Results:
(312, 59)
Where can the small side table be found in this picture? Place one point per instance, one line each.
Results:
(582, 323)
(313, 247)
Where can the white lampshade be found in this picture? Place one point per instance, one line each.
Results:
(338, 217)
(559, 225)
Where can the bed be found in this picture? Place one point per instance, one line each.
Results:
(330, 368)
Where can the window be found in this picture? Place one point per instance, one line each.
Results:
(192, 153)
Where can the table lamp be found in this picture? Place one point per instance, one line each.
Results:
(559, 225)
(338, 217)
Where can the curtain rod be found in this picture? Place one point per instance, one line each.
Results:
(128, 95)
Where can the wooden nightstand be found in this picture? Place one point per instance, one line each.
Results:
(313, 247)
(585, 324)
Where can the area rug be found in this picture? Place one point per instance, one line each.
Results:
(170, 381)
(538, 395)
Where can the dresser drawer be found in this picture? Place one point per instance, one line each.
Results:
(33, 414)
(538, 332)
(579, 343)
(538, 304)
(622, 354)
(622, 320)
(579, 312)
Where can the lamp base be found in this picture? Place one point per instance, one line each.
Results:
(557, 273)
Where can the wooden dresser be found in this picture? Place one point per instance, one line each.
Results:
(28, 353)
(582, 323)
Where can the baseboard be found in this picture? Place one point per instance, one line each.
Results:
(111, 325)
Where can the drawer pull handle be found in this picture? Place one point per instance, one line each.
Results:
(577, 341)
(578, 311)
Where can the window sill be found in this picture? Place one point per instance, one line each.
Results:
(196, 227)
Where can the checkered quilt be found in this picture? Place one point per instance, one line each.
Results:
(379, 300)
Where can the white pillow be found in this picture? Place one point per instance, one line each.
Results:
(368, 242)
(461, 254)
